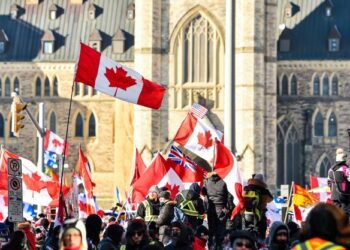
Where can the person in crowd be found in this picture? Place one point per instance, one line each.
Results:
(242, 240)
(278, 237)
(149, 208)
(219, 205)
(226, 243)
(111, 237)
(18, 242)
(326, 227)
(256, 196)
(52, 240)
(338, 181)
(201, 238)
(136, 235)
(294, 233)
(26, 227)
(93, 228)
(166, 215)
(180, 237)
(73, 235)
(191, 204)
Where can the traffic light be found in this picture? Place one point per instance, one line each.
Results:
(16, 109)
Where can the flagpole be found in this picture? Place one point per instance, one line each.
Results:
(214, 156)
(65, 140)
(288, 202)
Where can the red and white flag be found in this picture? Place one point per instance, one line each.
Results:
(114, 79)
(38, 188)
(139, 167)
(55, 144)
(3, 206)
(319, 187)
(164, 174)
(198, 136)
(85, 173)
(87, 205)
(227, 168)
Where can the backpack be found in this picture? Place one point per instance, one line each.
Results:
(179, 215)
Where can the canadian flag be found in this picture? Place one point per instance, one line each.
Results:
(139, 168)
(3, 206)
(38, 188)
(319, 187)
(87, 205)
(53, 143)
(198, 136)
(227, 168)
(114, 79)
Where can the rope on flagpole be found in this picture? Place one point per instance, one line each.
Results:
(288, 202)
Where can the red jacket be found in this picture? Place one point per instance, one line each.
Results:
(26, 228)
(199, 244)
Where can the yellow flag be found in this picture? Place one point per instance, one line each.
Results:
(303, 198)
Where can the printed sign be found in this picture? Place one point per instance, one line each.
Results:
(14, 167)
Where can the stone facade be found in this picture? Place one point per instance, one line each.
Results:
(159, 31)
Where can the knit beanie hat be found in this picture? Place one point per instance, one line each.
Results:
(76, 224)
(154, 188)
(201, 230)
(165, 194)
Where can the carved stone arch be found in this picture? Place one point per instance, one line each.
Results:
(313, 78)
(189, 80)
(334, 84)
(7, 86)
(322, 165)
(280, 79)
(188, 16)
(34, 88)
(313, 121)
(88, 130)
(285, 86)
(75, 117)
(146, 151)
(330, 112)
(325, 84)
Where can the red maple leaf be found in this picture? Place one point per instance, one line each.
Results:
(33, 182)
(57, 143)
(173, 190)
(118, 78)
(205, 139)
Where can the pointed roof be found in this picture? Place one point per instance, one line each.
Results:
(53, 7)
(3, 36)
(92, 7)
(48, 36)
(119, 35)
(95, 36)
(14, 7)
(334, 33)
(329, 3)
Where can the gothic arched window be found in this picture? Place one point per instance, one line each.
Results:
(47, 87)
(76, 89)
(284, 85)
(324, 167)
(16, 87)
(53, 122)
(10, 128)
(92, 126)
(79, 126)
(332, 125)
(316, 85)
(319, 125)
(7, 87)
(55, 86)
(2, 126)
(294, 86)
(325, 85)
(197, 51)
(292, 156)
(335, 85)
(86, 90)
(38, 87)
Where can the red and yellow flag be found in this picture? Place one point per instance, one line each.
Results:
(303, 198)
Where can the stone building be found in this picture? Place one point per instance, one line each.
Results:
(180, 44)
(313, 86)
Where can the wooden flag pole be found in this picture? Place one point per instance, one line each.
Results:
(288, 202)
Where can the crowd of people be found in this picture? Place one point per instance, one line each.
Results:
(197, 218)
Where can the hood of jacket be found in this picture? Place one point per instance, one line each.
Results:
(276, 226)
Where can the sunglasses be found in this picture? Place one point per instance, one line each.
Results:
(241, 244)
(137, 233)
